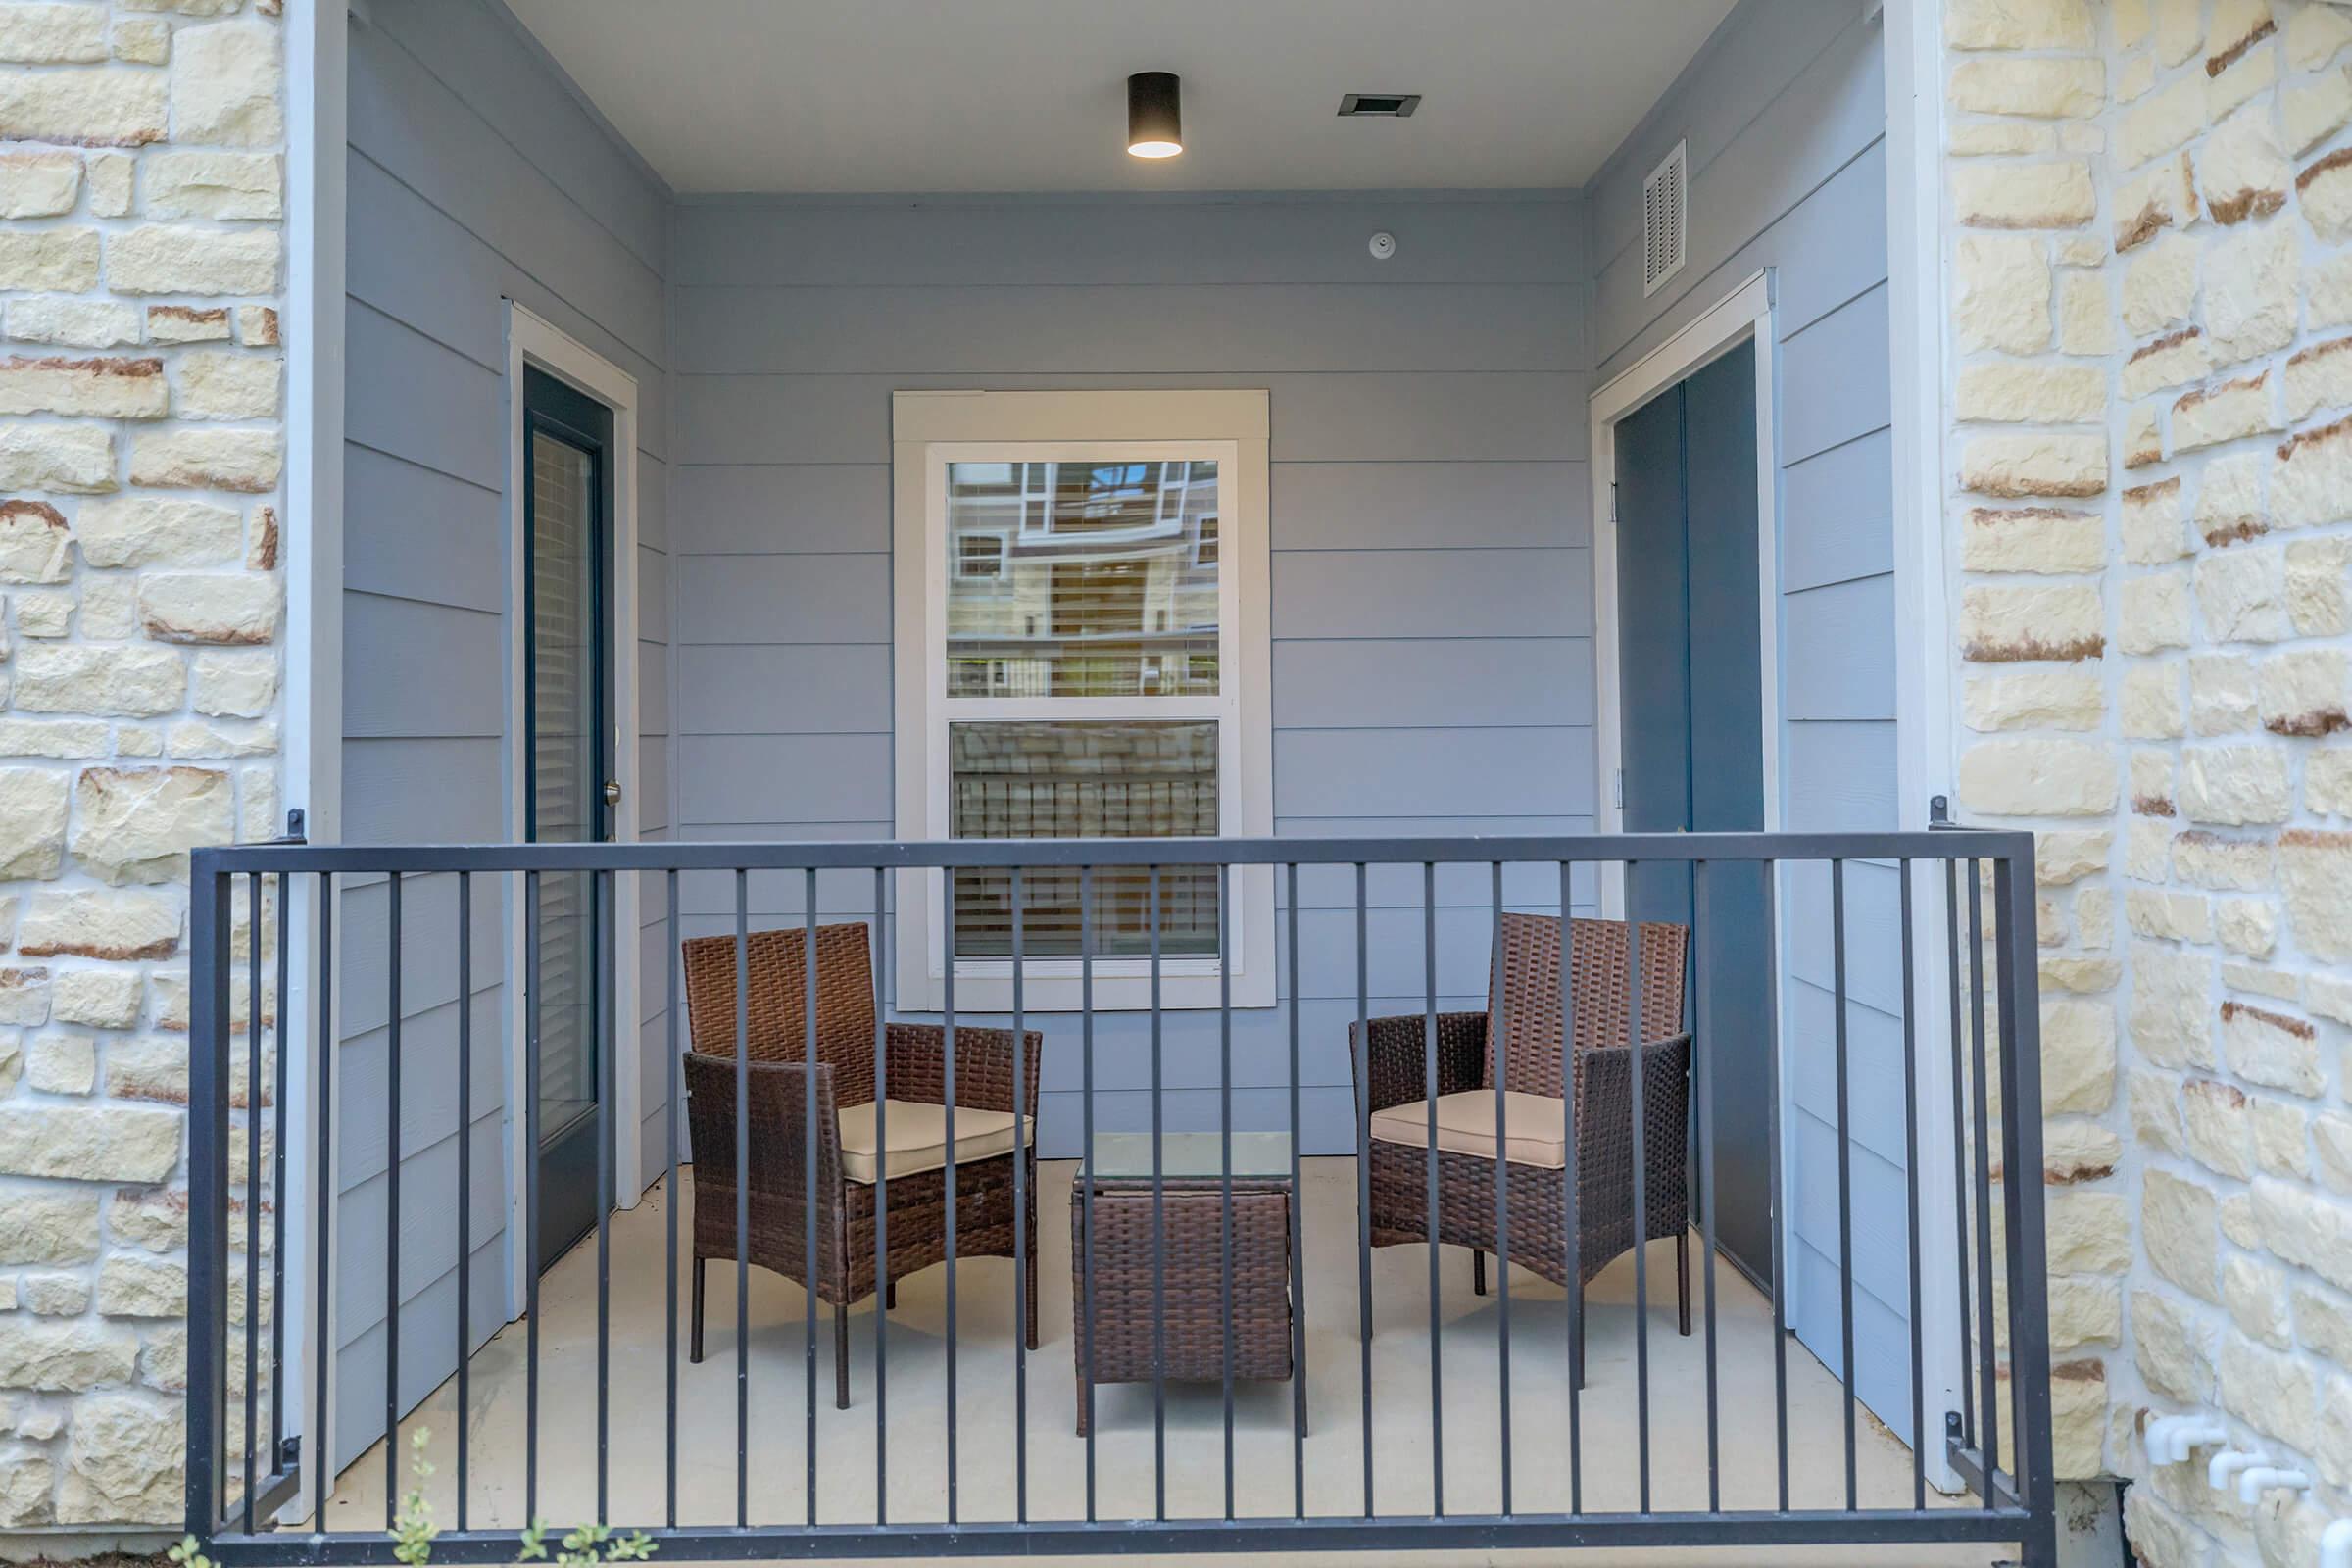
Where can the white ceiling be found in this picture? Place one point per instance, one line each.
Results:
(1029, 95)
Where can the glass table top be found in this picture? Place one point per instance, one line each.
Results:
(1190, 1156)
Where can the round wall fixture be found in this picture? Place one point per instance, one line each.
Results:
(1383, 246)
(1154, 115)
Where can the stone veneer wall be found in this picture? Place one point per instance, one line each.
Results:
(141, 444)
(2150, 209)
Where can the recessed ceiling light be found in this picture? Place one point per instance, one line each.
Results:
(1379, 105)
(1154, 115)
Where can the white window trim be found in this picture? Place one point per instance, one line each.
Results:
(929, 430)
(531, 341)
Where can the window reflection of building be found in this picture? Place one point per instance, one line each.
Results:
(1083, 579)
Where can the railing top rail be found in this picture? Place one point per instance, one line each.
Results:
(1942, 844)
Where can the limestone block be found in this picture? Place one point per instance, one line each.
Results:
(86, 108)
(2070, 698)
(73, 322)
(95, 388)
(2152, 612)
(97, 924)
(240, 460)
(88, 1142)
(2172, 359)
(2161, 122)
(2009, 624)
(2160, 287)
(2002, 294)
(225, 84)
(2067, 88)
(2019, 777)
(128, 682)
(2170, 1013)
(2252, 299)
(2038, 195)
(2242, 170)
(2227, 411)
(2034, 465)
(158, 532)
(137, 824)
(2034, 539)
(2009, 392)
(211, 184)
(169, 259)
(2313, 870)
(2241, 595)
(2163, 196)
(2180, 1228)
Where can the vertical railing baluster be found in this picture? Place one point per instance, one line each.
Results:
(1025, 1139)
(1777, 1208)
(743, 1195)
(2013, 889)
(1296, 1240)
(465, 1184)
(1845, 1173)
(1989, 1414)
(1636, 1066)
(1159, 1233)
(1572, 1173)
(282, 1001)
(392, 1213)
(670, 1203)
(1363, 1171)
(1919, 1430)
(211, 1088)
(1086, 1163)
(1225, 1150)
(1497, 1040)
(323, 1340)
(255, 1123)
(1430, 1209)
(529, 1122)
(947, 1175)
(603, 898)
(1703, 1073)
(811, 1261)
(1961, 1273)
(882, 1275)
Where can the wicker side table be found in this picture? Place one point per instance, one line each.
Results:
(1138, 1319)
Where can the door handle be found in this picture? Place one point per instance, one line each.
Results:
(611, 792)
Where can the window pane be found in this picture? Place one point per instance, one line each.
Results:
(1106, 780)
(1082, 579)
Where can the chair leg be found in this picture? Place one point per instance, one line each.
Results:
(840, 1355)
(1478, 1272)
(1682, 1279)
(1029, 1299)
(1576, 1350)
(694, 1348)
(890, 1296)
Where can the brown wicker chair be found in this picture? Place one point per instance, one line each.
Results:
(853, 1176)
(1527, 991)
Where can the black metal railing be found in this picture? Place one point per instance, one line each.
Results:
(1398, 1462)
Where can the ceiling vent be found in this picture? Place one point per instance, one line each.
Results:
(1379, 105)
(1665, 213)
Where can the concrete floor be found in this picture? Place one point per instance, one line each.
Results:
(1123, 1454)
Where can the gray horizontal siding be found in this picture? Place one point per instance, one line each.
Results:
(1431, 575)
(1783, 114)
(475, 178)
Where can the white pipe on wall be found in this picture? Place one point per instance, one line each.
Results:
(2224, 1466)
(2336, 1544)
(2262, 1478)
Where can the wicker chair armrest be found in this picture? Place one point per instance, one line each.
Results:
(1604, 1115)
(778, 1116)
(916, 1055)
(1396, 1068)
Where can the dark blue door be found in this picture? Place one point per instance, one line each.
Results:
(1690, 696)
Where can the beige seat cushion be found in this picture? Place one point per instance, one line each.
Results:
(1535, 1127)
(919, 1136)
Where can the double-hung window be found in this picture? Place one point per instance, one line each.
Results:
(1081, 653)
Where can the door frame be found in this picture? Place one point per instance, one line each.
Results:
(1741, 317)
(1746, 315)
(533, 342)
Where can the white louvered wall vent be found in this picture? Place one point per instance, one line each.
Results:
(1665, 209)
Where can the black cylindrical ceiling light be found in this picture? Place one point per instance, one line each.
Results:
(1154, 115)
